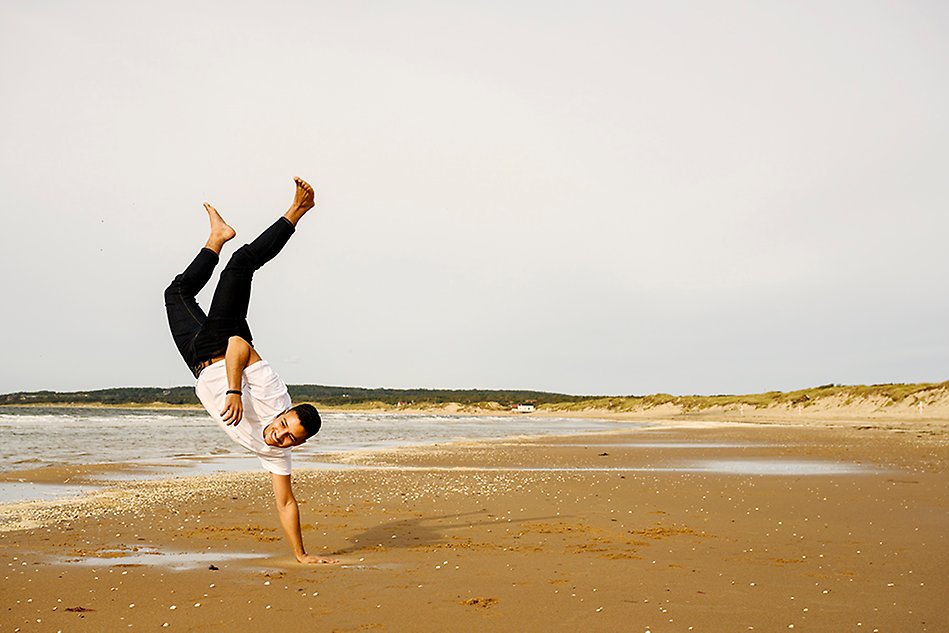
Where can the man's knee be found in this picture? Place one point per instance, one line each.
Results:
(242, 258)
(173, 290)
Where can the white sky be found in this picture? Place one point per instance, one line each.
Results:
(617, 198)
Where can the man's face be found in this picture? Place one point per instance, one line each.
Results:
(285, 431)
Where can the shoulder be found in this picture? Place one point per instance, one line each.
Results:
(261, 374)
(266, 386)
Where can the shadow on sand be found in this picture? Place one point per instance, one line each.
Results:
(428, 530)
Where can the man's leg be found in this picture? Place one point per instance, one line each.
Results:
(185, 316)
(228, 313)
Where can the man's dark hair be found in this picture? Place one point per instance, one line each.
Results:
(309, 417)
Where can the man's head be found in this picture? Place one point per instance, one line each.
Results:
(293, 426)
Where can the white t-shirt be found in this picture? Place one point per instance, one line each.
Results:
(265, 397)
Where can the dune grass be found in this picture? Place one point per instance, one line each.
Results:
(882, 395)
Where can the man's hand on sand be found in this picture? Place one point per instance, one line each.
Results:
(233, 409)
(309, 559)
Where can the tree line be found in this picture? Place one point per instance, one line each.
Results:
(326, 395)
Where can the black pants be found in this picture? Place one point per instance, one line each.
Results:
(201, 336)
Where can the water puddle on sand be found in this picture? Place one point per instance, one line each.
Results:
(177, 561)
(183, 467)
(762, 467)
(181, 561)
(670, 444)
(362, 567)
(16, 491)
(765, 466)
(786, 467)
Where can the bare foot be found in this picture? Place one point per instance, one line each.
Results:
(221, 231)
(303, 201)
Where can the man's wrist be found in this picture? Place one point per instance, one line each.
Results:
(234, 392)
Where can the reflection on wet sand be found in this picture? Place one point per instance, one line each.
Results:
(148, 555)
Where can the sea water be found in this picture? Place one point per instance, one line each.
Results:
(37, 437)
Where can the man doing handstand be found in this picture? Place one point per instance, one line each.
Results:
(239, 389)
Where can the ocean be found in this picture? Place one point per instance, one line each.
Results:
(36, 437)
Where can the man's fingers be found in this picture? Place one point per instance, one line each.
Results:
(309, 559)
(232, 415)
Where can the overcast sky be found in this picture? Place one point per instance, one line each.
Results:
(595, 198)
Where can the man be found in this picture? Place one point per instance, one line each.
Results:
(239, 389)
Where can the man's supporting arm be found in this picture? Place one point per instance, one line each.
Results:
(289, 513)
(239, 355)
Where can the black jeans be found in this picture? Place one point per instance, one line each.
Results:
(199, 336)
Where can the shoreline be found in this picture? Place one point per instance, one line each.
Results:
(933, 422)
(779, 414)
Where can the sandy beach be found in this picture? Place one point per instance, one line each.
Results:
(685, 526)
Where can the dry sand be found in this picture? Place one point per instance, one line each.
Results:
(511, 536)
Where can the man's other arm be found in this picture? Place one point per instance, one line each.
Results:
(289, 513)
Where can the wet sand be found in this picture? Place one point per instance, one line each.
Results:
(701, 527)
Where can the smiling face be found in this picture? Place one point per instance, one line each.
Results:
(285, 431)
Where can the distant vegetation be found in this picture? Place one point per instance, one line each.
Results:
(885, 395)
(118, 395)
(358, 397)
(330, 396)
